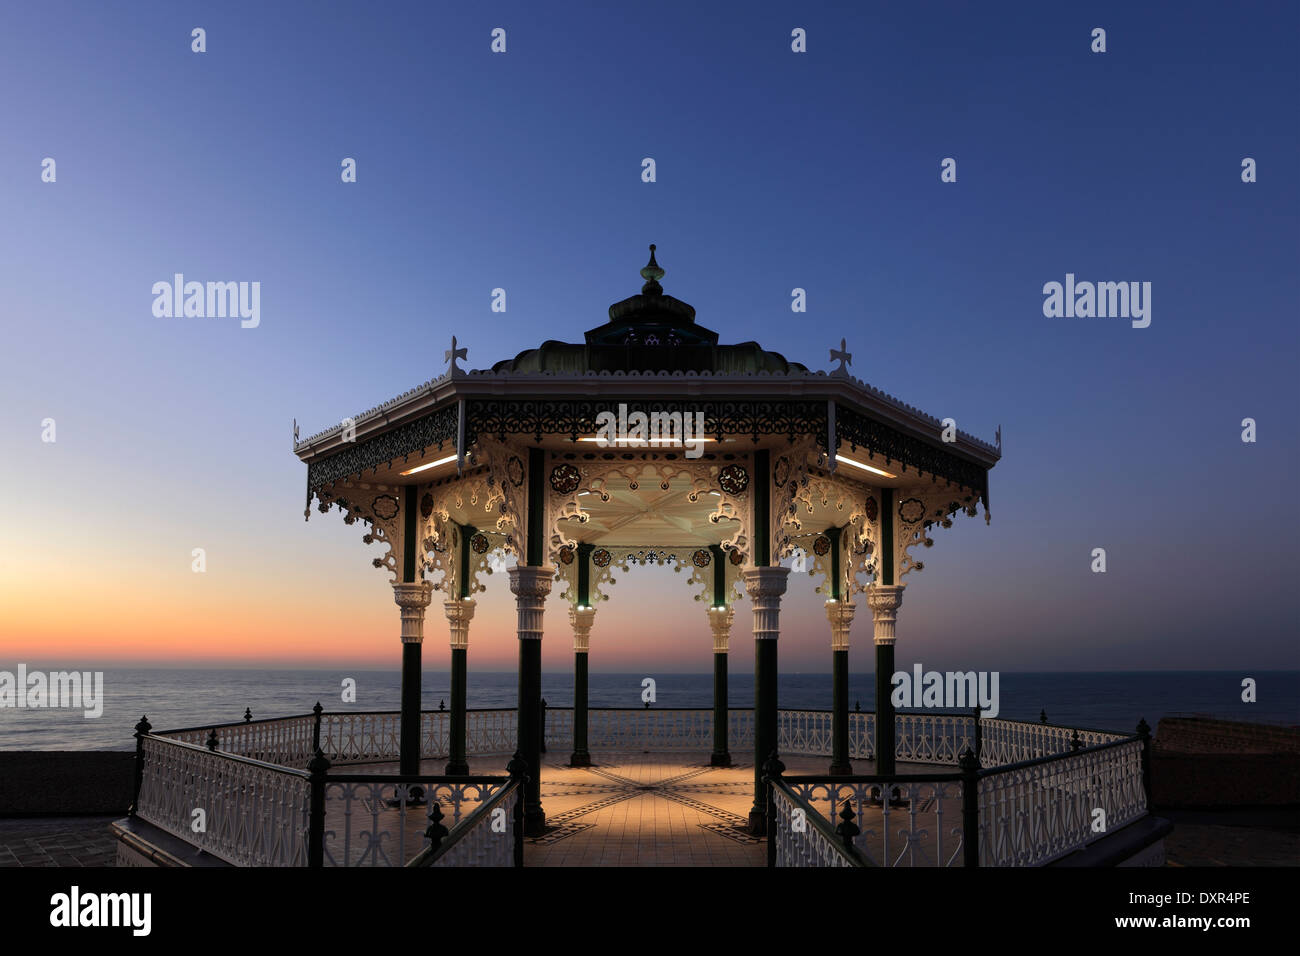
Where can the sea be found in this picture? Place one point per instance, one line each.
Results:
(174, 699)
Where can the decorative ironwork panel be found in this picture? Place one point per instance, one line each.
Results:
(431, 431)
(576, 418)
(905, 822)
(1032, 815)
(378, 822)
(361, 737)
(933, 738)
(491, 732)
(484, 841)
(286, 741)
(860, 431)
(253, 815)
(862, 735)
(803, 844)
(1006, 742)
(806, 732)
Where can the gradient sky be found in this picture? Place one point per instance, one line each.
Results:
(775, 170)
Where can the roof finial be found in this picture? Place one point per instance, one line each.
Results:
(843, 356)
(452, 354)
(652, 274)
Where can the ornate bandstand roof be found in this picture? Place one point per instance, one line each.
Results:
(652, 355)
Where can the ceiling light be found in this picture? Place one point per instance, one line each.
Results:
(858, 464)
(432, 464)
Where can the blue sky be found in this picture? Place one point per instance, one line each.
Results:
(775, 170)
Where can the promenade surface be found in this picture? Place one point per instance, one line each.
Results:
(665, 810)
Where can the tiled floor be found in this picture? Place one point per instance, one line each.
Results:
(630, 809)
(57, 841)
(641, 809)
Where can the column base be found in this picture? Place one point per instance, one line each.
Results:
(457, 769)
(534, 822)
(758, 822)
(841, 770)
(580, 759)
(720, 760)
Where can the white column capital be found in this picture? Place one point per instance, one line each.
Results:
(840, 614)
(765, 585)
(531, 585)
(459, 611)
(884, 601)
(581, 618)
(412, 597)
(720, 619)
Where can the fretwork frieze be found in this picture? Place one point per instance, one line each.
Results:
(435, 430)
(576, 418)
(858, 431)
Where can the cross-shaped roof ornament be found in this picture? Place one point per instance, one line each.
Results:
(843, 356)
(454, 353)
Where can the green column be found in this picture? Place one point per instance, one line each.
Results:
(765, 584)
(721, 756)
(409, 732)
(840, 765)
(581, 757)
(720, 621)
(530, 732)
(457, 764)
(531, 583)
(885, 652)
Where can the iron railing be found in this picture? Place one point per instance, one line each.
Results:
(1023, 794)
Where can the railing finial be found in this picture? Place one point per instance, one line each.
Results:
(315, 732)
(435, 832)
(847, 830)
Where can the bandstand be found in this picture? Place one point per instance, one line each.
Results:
(567, 467)
(519, 460)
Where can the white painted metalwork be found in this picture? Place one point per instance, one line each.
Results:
(933, 738)
(1032, 815)
(376, 822)
(806, 732)
(862, 735)
(487, 837)
(1006, 742)
(256, 797)
(253, 814)
(803, 843)
(904, 822)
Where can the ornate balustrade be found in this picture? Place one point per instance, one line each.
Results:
(1035, 812)
(490, 836)
(373, 820)
(804, 732)
(862, 735)
(286, 741)
(904, 821)
(934, 738)
(803, 837)
(373, 736)
(252, 813)
(1031, 798)
(1012, 741)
